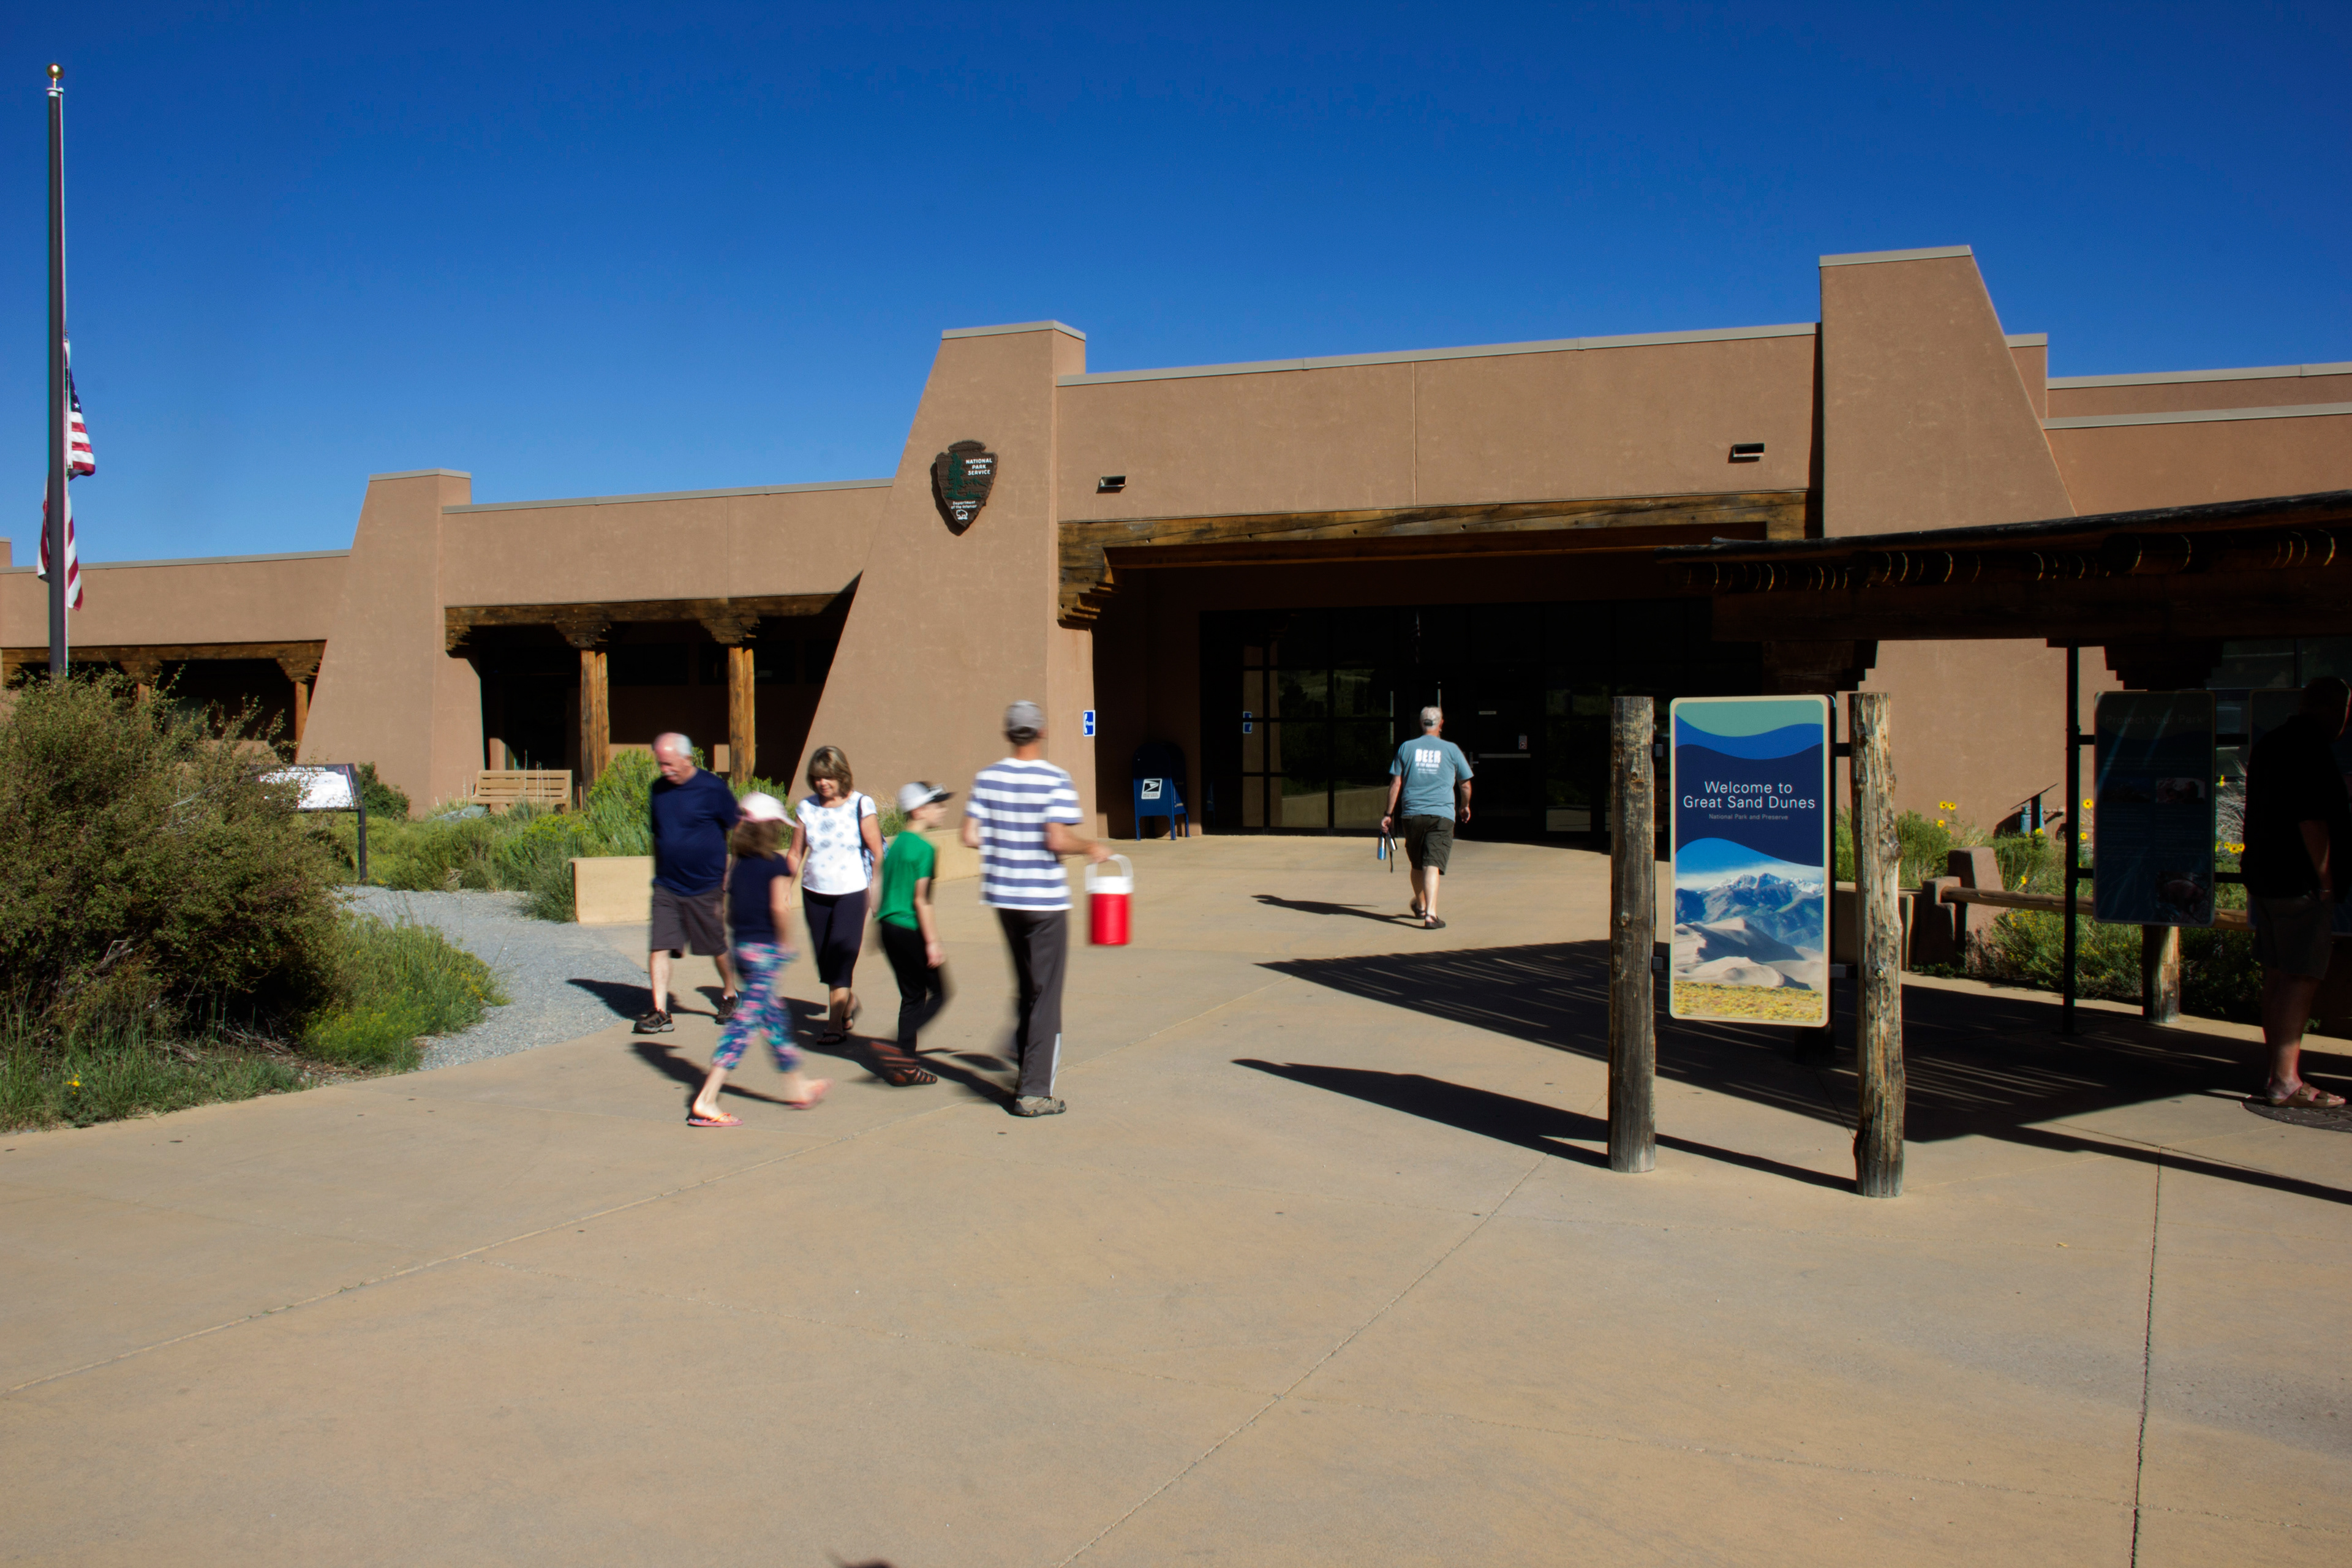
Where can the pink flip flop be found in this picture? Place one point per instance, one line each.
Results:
(722, 1120)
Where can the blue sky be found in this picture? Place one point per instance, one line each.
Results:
(579, 251)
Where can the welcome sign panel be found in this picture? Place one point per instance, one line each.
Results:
(1751, 844)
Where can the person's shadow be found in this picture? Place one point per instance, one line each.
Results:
(1317, 907)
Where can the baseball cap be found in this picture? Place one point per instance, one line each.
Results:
(916, 795)
(1023, 716)
(761, 806)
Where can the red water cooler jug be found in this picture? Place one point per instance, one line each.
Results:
(1109, 895)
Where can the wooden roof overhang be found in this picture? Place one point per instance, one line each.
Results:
(1093, 554)
(585, 623)
(2161, 589)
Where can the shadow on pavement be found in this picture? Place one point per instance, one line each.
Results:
(1546, 1128)
(1317, 907)
(1990, 1066)
(625, 1000)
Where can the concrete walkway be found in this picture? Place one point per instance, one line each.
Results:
(1322, 1268)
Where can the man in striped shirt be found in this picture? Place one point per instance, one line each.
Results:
(1019, 817)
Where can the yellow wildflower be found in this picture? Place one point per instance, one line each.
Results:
(2086, 804)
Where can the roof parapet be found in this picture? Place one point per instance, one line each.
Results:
(1864, 257)
(1478, 351)
(1012, 326)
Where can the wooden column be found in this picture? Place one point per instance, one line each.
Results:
(300, 669)
(1632, 937)
(144, 672)
(2160, 973)
(733, 629)
(584, 629)
(1878, 988)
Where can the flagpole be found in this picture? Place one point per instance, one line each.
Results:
(56, 520)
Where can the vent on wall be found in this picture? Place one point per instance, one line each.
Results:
(1111, 484)
(1747, 451)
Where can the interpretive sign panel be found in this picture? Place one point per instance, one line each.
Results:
(328, 787)
(2152, 827)
(1751, 847)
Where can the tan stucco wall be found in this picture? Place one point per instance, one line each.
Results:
(2123, 468)
(947, 629)
(261, 600)
(687, 547)
(2179, 396)
(1648, 420)
(1926, 421)
(1981, 723)
(2032, 361)
(387, 693)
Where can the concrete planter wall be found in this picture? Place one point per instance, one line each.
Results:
(618, 889)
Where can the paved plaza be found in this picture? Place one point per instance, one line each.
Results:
(1324, 1265)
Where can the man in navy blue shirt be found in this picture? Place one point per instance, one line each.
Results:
(692, 811)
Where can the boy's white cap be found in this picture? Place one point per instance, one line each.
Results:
(759, 806)
(914, 796)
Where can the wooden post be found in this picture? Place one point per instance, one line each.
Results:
(300, 669)
(584, 627)
(742, 713)
(144, 672)
(1878, 987)
(1632, 937)
(2160, 973)
(732, 628)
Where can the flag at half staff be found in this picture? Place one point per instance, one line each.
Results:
(73, 562)
(79, 461)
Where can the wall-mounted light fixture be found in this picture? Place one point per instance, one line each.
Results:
(1111, 484)
(1747, 451)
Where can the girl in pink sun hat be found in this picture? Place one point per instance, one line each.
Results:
(759, 885)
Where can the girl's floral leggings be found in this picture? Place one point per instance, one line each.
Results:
(758, 1009)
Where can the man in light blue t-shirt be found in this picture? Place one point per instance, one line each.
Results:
(1433, 778)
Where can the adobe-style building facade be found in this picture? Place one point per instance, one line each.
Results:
(1268, 565)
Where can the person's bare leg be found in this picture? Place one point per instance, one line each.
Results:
(2286, 1007)
(657, 974)
(706, 1102)
(1417, 894)
(728, 984)
(838, 1008)
(1430, 879)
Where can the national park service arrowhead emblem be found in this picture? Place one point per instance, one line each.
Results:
(961, 478)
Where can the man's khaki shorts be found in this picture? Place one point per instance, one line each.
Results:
(2294, 936)
(687, 922)
(1429, 841)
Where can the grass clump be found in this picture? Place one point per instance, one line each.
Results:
(124, 1070)
(394, 984)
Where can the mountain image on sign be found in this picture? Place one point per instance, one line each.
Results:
(961, 478)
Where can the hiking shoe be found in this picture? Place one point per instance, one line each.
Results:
(655, 1023)
(1038, 1105)
(726, 1008)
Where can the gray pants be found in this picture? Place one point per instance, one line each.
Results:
(1040, 943)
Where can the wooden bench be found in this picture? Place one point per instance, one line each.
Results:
(498, 788)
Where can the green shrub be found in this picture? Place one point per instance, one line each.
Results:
(381, 799)
(392, 984)
(1924, 843)
(149, 877)
(2219, 977)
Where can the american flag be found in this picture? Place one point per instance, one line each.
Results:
(73, 562)
(78, 459)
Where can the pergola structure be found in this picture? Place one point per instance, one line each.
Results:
(144, 662)
(732, 622)
(2160, 591)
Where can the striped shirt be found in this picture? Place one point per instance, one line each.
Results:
(1012, 801)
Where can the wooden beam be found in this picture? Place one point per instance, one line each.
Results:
(152, 655)
(1877, 870)
(1632, 937)
(459, 619)
(2092, 611)
(1093, 551)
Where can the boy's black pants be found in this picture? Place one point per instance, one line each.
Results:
(1040, 941)
(922, 990)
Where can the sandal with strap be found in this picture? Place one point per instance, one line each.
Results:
(2304, 1097)
(908, 1075)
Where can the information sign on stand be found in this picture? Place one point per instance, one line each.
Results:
(330, 786)
(1751, 859)
(2152, 825)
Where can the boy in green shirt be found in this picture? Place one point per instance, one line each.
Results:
(910, 934)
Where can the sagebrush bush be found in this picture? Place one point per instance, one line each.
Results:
(149, 874)
(380, 798)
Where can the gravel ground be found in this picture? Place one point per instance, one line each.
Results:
(537, 962)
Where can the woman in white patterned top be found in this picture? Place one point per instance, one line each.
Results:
(836, 842)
